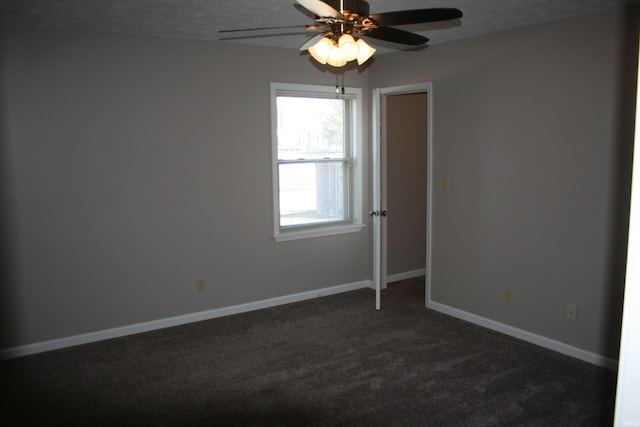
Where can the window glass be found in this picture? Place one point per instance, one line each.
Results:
(310, 128)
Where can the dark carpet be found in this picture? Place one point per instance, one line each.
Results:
(330, 361)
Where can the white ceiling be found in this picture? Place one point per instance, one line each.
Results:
(202, 19)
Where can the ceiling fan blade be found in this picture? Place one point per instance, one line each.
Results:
(313, 40)
(308, 27)
(320, 8)
(418, 16)
(396, 36)
(317, 27)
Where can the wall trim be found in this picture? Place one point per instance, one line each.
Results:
(153, 325)
(406, 275)
(530, 337)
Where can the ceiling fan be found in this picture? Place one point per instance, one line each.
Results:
(343, 22)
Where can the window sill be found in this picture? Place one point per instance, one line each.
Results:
(318, 232)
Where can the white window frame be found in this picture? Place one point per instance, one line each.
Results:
(356, 223)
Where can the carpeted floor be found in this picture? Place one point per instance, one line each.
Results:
(329, 361)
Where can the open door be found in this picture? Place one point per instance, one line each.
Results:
(379, 168)
(376, 210)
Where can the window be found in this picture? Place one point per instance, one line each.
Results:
(317, 172)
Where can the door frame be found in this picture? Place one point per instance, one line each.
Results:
(379, 189)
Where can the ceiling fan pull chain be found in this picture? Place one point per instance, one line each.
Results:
(339, 88)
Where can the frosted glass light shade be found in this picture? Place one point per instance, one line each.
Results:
(320, 51)
(348, 46)
(364, 52)
(335, 58)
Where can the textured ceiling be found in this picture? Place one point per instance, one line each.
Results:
(202, 19)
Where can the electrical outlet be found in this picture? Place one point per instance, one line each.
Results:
(201, 286)
(572, 311)
(507, 295)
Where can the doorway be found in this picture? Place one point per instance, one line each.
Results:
(402, 185)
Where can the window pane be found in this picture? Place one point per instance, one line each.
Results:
(313, 193)
(310, 128)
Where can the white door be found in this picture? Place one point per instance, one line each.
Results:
(379, 202)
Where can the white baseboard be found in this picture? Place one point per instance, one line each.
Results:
(406, 275)
(545, 342)
(137, 328)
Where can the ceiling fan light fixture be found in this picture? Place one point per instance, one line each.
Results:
(337, 53)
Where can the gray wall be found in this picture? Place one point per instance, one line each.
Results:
(534, 130)
(133, 167)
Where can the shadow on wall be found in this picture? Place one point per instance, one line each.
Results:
(621, 168)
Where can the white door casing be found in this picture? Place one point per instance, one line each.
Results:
(379, 184)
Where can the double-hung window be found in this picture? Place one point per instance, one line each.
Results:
(317, 171)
